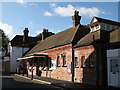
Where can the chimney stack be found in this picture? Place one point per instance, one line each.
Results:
(76, 18)
(45, 34)
(25, 36)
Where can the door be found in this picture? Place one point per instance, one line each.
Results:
(113, 72)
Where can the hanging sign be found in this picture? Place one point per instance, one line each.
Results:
(53, 64)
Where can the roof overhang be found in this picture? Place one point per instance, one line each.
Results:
(33, 56)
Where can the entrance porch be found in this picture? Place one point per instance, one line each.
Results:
(35, 65)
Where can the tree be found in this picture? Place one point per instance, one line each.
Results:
(4, 38)
(39, 36)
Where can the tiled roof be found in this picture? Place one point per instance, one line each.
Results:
(71, 35)
(115, 36)
(101, 35)
(96, 36)
(18, 41)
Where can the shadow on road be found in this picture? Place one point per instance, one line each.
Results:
(11, 81)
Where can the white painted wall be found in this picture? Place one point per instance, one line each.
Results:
(113, 79)
(15, 52)
(104, 26)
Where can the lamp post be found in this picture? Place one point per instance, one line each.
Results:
(32, 68)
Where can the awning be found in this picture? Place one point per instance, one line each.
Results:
(33, 56)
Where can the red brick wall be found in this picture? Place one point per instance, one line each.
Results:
(60, 72)
(83, 75)
(87, 74)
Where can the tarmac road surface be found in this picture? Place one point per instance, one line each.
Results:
(13, 81)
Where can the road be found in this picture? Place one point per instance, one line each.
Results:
(13, 81)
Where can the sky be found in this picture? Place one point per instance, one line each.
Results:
(55, 16)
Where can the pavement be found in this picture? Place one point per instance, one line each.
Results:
(20, 81)
(60, 83)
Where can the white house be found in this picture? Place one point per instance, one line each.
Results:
(18, 46)
(113, 59)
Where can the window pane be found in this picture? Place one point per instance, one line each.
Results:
(58, 61)
(96, 25)
(114, 65)
(91, 60)
(76, 62)
(64, 60)
(83, 61)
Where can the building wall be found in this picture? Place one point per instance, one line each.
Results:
(113, 69)
(30, 72)
(15, 52)
(5, 66)
(85, 74)
(103, 26)
(61, 71)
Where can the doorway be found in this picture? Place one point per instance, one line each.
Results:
(114, 72)
(113, 68)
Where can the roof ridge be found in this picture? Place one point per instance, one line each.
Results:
(55, 40)
(107, 19)
(28, 36)
(77, 27)
(56, 34)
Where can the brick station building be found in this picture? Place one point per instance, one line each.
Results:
(54, 55)
(77, 54)
(91, 53)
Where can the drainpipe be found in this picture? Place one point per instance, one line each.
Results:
(32, 73)
(72, 65)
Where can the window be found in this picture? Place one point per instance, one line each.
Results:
(76, 62)
(113, 27)
(64, 60)
(114, 65)
(83, 61)
(58, 60)
(103, 26)
(91, 60)
(116, 27)
(97, 26)
(92, 28)
(107, 27)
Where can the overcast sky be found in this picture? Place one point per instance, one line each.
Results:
(55, 16)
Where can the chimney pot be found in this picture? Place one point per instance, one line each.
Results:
(25, 36)
(76, 18)
(45, 34)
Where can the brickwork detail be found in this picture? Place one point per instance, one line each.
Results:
(85, 74)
